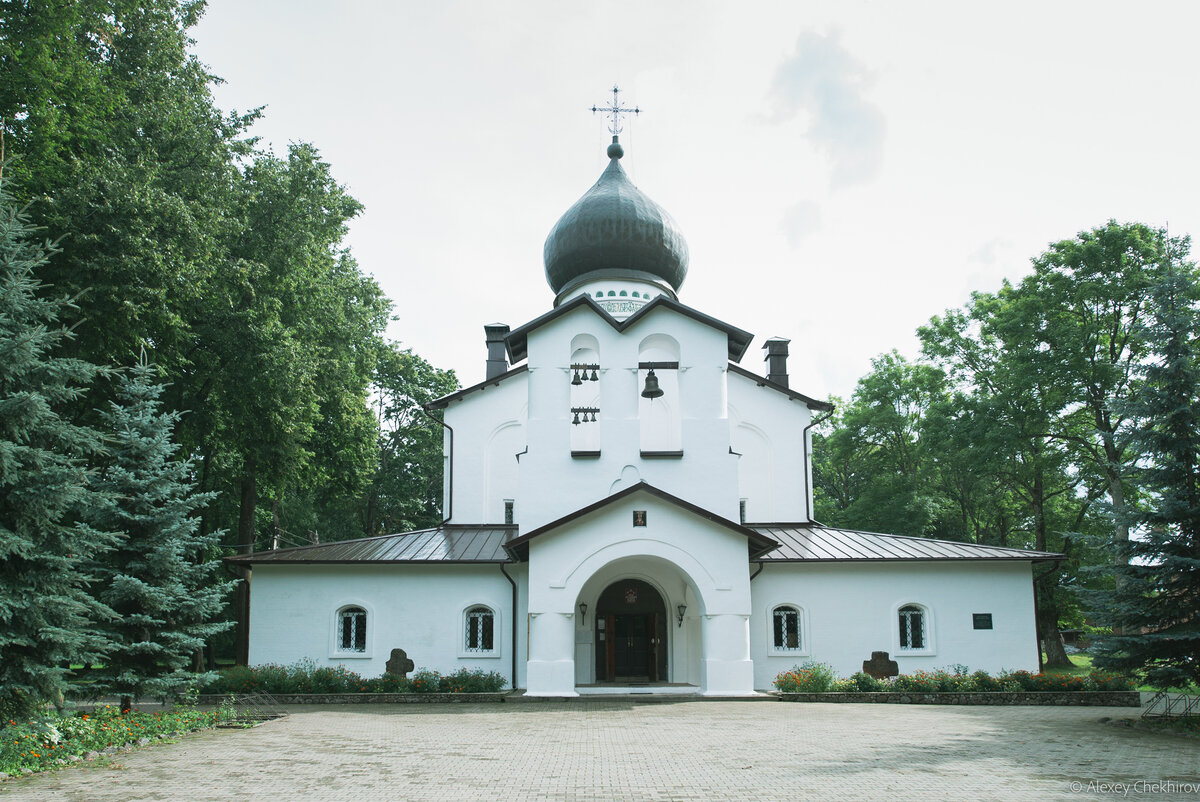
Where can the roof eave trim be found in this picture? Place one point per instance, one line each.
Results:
(444, 401)
(516, 341)
(763, 381)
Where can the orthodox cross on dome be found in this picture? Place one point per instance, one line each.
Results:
(616, 110)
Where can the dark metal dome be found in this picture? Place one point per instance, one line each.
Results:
(615, 231)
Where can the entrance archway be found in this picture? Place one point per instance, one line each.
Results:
(631, 629)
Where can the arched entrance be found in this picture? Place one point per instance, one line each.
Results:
(631, 629)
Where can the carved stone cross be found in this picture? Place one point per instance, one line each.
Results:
(399, 663)
(880, 666)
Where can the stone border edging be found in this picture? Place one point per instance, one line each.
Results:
(1073, 698)
(361, 698)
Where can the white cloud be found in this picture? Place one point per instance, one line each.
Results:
(800, 221)
(824, 82)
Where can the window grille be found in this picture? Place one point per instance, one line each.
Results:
(912, 627)
(352, 630)
(480, 626)
(787, 629)
(508, 510)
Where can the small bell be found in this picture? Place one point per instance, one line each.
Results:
(576, 381)
(595, 378)
(576, 421)
(652, 390)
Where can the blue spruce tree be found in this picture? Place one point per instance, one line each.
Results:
(159, 580)
(1154, 607)
(48, 617)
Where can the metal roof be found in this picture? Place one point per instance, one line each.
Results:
(811, 542)
(483, 543)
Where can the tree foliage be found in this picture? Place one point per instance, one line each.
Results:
(1154, 606)
(47, 616)
(1015, 425)
(160, 580)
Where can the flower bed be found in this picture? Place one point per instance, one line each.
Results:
(306, 677)
(818, 682)
(57, 740)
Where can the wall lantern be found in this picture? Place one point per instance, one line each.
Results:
(583, 613)
(680, 609)
(652, 390)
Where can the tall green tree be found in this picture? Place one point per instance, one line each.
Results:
(1089, 297)
(1154, 607)
(160, 579)
(406, 493)
(123, 147)
(48, 619)
(1019, 410)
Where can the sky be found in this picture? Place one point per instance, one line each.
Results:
(842, 171)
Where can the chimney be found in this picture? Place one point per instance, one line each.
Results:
(777, 354)
(497, 363)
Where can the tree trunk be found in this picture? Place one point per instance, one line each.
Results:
(1056, 655)
(245, 546)
(126, 704)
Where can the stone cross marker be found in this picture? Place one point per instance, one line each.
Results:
(399, 663)
(880, 666)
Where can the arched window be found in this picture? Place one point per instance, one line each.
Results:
(480, 635)
(785, 629)
(352, 630)
(912, 627)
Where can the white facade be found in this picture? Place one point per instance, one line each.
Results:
(609, 532)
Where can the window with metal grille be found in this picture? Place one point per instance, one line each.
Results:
(352, 630)
(787, 629)
(508, 510)
(480, 626)
(912, 627)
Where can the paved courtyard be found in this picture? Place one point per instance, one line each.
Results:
(614, 750)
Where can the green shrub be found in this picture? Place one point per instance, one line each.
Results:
(47, 742)
(984, 681)
(917, 682)
(1103, 681)
(808, 678)
(305, 676)
(865, 683)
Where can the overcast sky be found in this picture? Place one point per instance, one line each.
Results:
(841, 170)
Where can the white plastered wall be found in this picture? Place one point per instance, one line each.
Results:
(555, 484)
(686, 557)
(850, 610)
(767, 431)
(418, 608)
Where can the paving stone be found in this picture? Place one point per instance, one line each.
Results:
(689, 750)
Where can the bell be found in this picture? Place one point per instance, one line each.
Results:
(576, 421)
(595, 378)
(594, 415)
(576, 380)
(652, 390)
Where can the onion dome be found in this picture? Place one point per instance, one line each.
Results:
(615, 231)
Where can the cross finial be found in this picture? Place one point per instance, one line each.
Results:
(616, 110)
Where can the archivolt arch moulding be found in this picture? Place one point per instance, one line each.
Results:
(704, 585)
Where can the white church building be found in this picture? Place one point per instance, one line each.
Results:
(627, 504)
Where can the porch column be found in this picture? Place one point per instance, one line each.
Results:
(551, 667)
(726, 668)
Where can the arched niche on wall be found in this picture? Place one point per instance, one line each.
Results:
(585, 409)
(500, 482)
(660, 419)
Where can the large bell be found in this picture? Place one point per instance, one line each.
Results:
(652, 390)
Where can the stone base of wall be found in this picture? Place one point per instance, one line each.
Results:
(362, 698)
(1081, 698)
